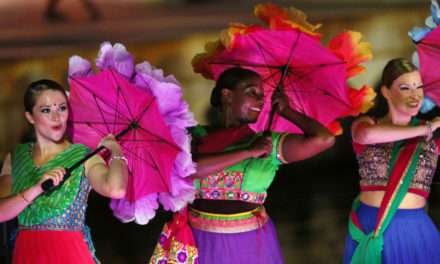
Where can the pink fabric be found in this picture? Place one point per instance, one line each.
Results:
(175, 114)
(217, 141)
(358, 148)
(316, 79)
(51, 247)
(107, 103)
(372, 188)
(429, 59)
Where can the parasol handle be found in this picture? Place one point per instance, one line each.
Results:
(48, 186)
(267, 131)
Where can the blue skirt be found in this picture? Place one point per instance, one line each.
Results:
(410, 238)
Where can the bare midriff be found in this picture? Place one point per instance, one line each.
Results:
(410, 201)
(223, 206)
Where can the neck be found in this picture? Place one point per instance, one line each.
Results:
(228, 121)
(48, 148)
(397, 118)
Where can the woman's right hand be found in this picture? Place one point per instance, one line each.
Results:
(261, 147)
(56, 175)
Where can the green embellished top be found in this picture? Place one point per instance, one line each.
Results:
(26, 174)
(247, 180)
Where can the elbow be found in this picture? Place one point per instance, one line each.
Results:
(362, 137)
(325, 141)
(117, 193)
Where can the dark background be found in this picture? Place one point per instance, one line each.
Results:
(309, 201)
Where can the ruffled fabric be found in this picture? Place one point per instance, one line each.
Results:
(417, 34)
(350, 48)
(347, 46)
(276, 17)
(431, 22)
(177, 116)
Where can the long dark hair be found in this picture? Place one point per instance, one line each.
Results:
(36, 88)
(392, 70)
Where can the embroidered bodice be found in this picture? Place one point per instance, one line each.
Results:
(374, 161)
(65, 207)
(246, 181)
(73, 217)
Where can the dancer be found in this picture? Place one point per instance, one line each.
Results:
(397, 158)
(235, 167)
(51, 226)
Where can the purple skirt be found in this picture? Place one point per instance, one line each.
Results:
(258, 246)
(410, 238)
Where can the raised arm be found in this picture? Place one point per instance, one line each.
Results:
(316, 137)
(365, 131)
(109, 181)
(212, 163)
(13, 205)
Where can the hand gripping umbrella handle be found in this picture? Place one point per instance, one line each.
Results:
(48, 186)
(267, 131)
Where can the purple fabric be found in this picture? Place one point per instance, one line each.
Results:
(257, 247)
(410, 238)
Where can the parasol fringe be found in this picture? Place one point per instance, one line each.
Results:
(286, 18)
(347, 46)
(177, 116)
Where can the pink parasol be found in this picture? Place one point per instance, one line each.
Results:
(428, 50)
(126, 99)
(289, 56)
(427, 40)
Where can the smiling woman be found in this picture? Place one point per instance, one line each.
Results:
(397, 159)
(236, 166)
(51, 226)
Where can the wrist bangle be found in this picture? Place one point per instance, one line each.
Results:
(24, 198)
(428, 130)
(280, 156)
(118, 158)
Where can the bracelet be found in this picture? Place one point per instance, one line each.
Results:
(280, 156)
(118, 158)
(428, 130)
(24, 198)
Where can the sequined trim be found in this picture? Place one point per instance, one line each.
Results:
(374, 161)
(228, 223)
(51, 227)
(226, 185)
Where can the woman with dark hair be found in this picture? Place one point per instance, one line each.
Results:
(397, 158)
(51, 226)
(236, 166)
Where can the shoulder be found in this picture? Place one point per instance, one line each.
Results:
(363, 120)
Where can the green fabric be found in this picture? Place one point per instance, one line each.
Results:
(198, 131)
(258, 172)
(369, 249)
(25, 174)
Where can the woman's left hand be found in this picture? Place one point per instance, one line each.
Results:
(280, 101)
(110, 143)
